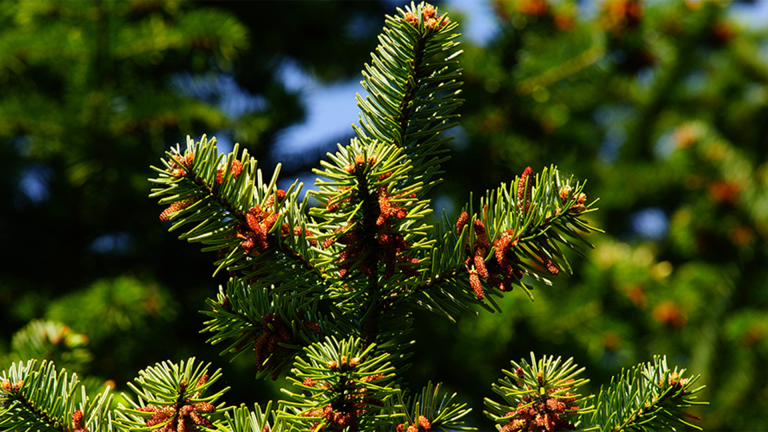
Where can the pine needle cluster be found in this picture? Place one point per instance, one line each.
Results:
(324, 293)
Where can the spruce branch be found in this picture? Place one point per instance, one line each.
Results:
(368, 231)
(342, 384)
(412, 84)
(39, 398)
(520, 230)
(540, 395)
(370, 216)
(235, 212)
(376, 187)
(647, 397)
(171, 398)
(271, 325)
(430, 410)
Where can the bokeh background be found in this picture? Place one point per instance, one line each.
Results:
(661, 105)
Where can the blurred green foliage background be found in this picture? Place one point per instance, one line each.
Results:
(661, 105)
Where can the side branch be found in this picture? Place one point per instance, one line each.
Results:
(519, 232)
(42, 415)
(234, 211)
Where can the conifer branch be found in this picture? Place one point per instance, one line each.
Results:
(412, 86)
(431, 410)
(367, 232)
(40, 398)
(647, 397)
(235, 211)
(375, 188)
(540, 395)
(519, 231)
(343, 384)
(274, 327)
(171, 398)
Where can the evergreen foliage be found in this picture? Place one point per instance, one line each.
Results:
(37, 397)
(87, 101)
(92, 91)
(649, 397)
(329, 290)
(662, 106)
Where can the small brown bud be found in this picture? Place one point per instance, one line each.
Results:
(77, 422)
(424, 423)
(332, 365)
(226, 304)
(175, 207)
(429, 11)
(565, 191)
(474, 282)
(354, 361)
(525, 189)
(343, 360)
(480, 267)
(204, 407)
(551, 267)
(203, 379)
(462, 222)
(411, 19)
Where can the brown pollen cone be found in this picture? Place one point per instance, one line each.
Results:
(235, 170)
(462, 222)
(474, 282)
(270, 202)
(525, 189)
(77, 422)
(387, 209)
(542, 413)
(180, 169)
(551, 267)
(175, 207)
(477, 258)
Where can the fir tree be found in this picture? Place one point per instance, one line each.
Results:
(325, 294)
